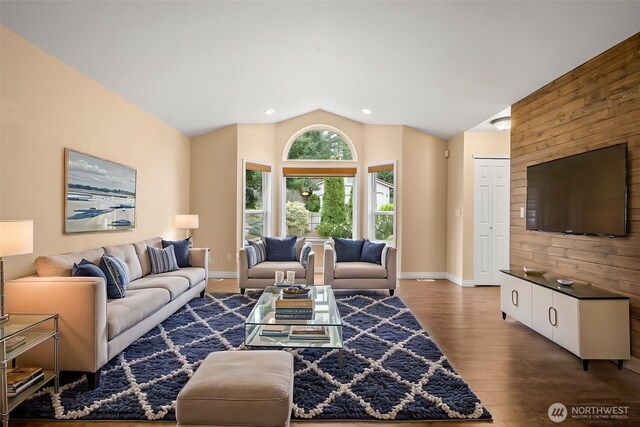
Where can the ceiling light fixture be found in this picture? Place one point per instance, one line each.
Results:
(502, 123)
(269, 112)
(366, 111)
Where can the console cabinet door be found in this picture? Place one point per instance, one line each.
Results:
(565, 331)
(507, 295)
(524, 301)
(542, 311)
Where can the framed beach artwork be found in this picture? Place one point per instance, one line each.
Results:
(100, 195)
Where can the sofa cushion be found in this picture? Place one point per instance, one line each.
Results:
(117, 276)
(252, 257)
(267, 269)
(181, 249)
(299, 245)
(127, 312)
(304, 254)
(372, 252)
(194, 275)
(126, 253)
(347, 250)
(281, 249)
(61, 265)
(162, 260)
(359, 270)
(143, 253)
(174, 284)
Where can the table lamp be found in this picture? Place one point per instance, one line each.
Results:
(189, 222)
(16, 238)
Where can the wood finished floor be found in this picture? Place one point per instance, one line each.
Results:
(514, 371)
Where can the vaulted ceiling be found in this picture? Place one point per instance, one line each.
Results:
(441, 67)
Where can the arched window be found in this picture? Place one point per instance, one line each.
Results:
(320, 144)
(320, 199)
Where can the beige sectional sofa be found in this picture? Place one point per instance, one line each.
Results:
(93, 329)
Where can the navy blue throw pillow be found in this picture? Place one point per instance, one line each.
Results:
(372, 252)
(117, 274)
(281, 249)
(181, 249)
(87, 269)
(348, 250)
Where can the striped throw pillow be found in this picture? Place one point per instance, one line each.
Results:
(162, 260)
(261, 250)
(251, 255)
(117, 275)
(304, 254)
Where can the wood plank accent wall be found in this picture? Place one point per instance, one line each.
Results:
(593, 106)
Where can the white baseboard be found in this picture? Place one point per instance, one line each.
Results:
(412, 275)
(633, 364)
(223, 274)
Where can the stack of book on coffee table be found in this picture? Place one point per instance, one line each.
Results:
(294, 308)
(309, 332)
(19, 379)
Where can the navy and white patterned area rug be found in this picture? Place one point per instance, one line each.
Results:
(392, 369)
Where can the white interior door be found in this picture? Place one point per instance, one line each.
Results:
(491, 219)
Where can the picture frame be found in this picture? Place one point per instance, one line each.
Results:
(99, 195)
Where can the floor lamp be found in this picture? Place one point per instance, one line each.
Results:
(16, 238)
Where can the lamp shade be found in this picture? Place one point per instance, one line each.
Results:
(187, 221)
(16, 237)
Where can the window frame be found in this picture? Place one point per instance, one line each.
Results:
(266, 198)
(315, 164)
(371, 204)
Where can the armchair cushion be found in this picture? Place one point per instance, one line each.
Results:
(181, 249)
(281, 249)
(359, 270)
(267, 269)
(372, 252)
(347, 250)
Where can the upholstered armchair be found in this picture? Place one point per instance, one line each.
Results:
(262, 274)
(359, 274)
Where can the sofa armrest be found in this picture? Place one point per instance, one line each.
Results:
(243, 268)
(81, 303)
(199, 257)
(391, 264)
(329, 263)
(309, 271)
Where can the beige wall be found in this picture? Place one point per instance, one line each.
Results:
(47, 106)
(424, 205)
(213, 194)
(460, 190)
(455, 201)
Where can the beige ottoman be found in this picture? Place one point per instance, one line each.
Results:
(239, 388)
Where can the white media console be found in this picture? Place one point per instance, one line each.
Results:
(589, 322)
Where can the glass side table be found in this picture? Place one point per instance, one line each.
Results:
(36, 329)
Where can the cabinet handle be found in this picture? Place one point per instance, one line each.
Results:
(555, 317)
(514, 301)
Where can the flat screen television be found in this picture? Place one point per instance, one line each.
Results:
(581, 194)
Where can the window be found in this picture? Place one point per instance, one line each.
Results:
(321, 144)
(319, 199)
(382, 221)
(256, 199)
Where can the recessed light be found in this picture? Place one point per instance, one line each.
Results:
(366, 111)
(269, 112)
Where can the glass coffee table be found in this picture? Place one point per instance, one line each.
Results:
(262, 329)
